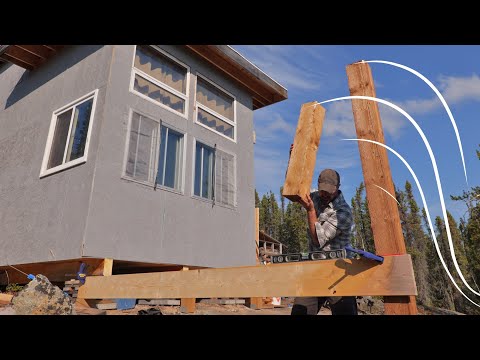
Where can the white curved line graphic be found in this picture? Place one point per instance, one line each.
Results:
(435, 169)
(426, 211)
(440, 96)
(393, 197)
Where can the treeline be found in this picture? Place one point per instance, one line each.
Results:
(288, 224)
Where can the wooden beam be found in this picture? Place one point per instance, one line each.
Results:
(341, 277)
(386, 227)
(302, 160)
(55, 271)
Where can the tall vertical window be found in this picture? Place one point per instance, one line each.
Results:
(170, 160)
(154, 153)
(160, 78)
(214, 175)
(215, 108)
(203, 184)
(69, 135)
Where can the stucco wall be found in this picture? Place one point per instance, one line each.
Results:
(130, 221)
(44, 219)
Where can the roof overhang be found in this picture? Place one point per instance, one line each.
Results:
(263, 89)
(28, 56)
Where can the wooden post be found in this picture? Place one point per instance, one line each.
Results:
(187, 305)
(257, 233)
(256, 302)
(385, 219)
(104, 269)
(301, 166)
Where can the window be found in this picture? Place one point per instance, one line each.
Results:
(69, 135)
(154, 159)
(215, 108)
(159, 78)
(221, 187)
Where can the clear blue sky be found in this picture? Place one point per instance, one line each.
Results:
(317, 73)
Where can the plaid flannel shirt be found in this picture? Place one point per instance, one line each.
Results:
(334, 223)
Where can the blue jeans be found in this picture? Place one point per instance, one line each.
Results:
(347, 305)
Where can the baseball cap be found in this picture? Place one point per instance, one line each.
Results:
(328, 181)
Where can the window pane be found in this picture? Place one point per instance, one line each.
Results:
(170, 160)
(156, 93)
(214, 98)
(78, 136)
(225, 181)
(215, 123)
(161, 157)
(132, 145)
(198, 166)
(141, 148)
(207, 173)
(59, 139)
(161, 68)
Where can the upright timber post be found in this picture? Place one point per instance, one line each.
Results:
(385, 220)
(257, 233)
(187, 305)
(298, 179)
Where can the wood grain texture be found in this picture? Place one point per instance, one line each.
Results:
(305, 145)
(385, 219)
(342, 277)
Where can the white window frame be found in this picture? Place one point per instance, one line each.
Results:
(139, 72)
(157, 153)
(201, 198)
(51, 132)
(214, 113)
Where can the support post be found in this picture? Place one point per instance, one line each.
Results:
(386, 227)
(187, 305)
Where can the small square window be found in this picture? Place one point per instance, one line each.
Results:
(69, 135)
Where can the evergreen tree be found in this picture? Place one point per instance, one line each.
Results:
(442, 289)
(295, 228)
(419, 245)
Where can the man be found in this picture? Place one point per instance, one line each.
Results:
(329, 224)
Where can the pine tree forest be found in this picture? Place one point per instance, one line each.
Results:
(287, 223)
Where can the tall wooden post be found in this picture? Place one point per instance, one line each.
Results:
(385, 219)
(257, 233)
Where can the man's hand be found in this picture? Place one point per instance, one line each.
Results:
(307, 203)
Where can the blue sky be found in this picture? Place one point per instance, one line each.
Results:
(317, 73)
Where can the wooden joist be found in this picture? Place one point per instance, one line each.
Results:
(341, 277)
(386, 227)
(302, 160)
(29, 56)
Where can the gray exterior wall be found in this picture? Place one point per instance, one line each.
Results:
(90, 210)
(44, 219)
(130, 221)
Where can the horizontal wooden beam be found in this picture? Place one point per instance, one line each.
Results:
(341, 277)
